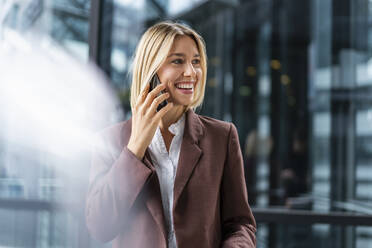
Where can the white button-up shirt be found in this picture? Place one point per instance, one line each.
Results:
(166, 168)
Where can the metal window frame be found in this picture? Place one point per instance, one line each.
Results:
(262, 215)
(95, 20)
(304, 217)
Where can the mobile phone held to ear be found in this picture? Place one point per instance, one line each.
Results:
(153, 83)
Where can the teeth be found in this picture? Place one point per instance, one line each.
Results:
(185, 86)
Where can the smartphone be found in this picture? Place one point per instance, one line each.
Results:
(153, 83)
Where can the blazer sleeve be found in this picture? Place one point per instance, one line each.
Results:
(238, 223)
(114, 186)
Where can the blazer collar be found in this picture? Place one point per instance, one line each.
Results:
(193, 127)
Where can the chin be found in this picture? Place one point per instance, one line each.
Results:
(181, 101)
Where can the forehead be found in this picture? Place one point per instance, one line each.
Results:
(184, 44)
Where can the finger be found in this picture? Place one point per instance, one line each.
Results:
(158, 88)
(157, 101)
(141, 98)
(153, 94)
(163, 111)
(144, 93)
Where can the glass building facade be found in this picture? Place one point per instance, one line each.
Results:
(295, 77)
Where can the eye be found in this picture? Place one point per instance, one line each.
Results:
(177, 61)
(196, 61)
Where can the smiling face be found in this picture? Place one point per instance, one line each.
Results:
(181, 71)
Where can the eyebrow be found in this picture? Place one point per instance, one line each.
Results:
(181, 55)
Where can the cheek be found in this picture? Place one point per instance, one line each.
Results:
(169, 77)
(199, 74)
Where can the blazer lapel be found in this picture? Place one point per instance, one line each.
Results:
(190, 153)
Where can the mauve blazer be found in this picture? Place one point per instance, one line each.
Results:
(210, 199)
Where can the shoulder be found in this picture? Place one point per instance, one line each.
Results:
(214, 123)
(113, 129)
(116, 132)
(216, 126)
(112, 139)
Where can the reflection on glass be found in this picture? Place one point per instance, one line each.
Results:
(363, 156)
(321, 159)
(175, 7)
(363, 235)
(69, 23)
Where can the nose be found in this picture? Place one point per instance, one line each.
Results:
(189, 70)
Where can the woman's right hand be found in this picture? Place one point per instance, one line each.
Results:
(145, 119)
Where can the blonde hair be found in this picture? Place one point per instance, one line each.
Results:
(152, 51)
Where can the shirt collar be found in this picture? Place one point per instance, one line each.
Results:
(178, 127)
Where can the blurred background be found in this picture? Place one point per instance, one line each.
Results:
(295, 77)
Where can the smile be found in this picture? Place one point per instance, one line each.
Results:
(185, 85)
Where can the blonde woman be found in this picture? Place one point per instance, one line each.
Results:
(169, 177)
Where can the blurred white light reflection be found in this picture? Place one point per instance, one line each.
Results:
(49, 104)
(51, 107)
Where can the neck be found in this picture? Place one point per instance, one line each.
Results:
(172, 116)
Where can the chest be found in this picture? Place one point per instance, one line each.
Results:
(167, 137)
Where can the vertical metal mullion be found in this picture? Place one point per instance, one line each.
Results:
(343, 114)
(95, 21)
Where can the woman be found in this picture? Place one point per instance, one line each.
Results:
(169, 177)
